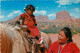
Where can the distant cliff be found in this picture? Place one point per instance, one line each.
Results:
(62, 16)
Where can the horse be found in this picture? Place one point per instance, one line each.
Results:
(13, 41)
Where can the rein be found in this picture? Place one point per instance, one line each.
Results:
(23, 41)
(29, 39)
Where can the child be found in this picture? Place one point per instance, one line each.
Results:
(29, 20)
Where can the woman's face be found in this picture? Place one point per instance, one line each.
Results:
(29, 12)
(62, 37)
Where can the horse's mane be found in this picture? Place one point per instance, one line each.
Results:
(11, 40)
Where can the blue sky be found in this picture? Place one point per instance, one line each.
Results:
(11, 8)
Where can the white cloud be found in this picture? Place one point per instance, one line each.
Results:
(67, 2)
(1, 16)
(76, 10)
(14, 13)
(52, 16)
(76, 15)
(42, 12)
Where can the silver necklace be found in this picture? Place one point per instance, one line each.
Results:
(59, 49)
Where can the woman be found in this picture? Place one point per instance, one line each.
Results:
(64, 43)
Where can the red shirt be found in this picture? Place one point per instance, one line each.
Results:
(28, 20)
(68, 48)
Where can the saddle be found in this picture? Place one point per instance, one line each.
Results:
(27, 38)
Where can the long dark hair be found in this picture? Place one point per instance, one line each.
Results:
(68, 34)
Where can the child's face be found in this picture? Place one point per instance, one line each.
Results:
(29, 12)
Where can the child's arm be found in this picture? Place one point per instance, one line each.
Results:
(19, 18)
(35, 21)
